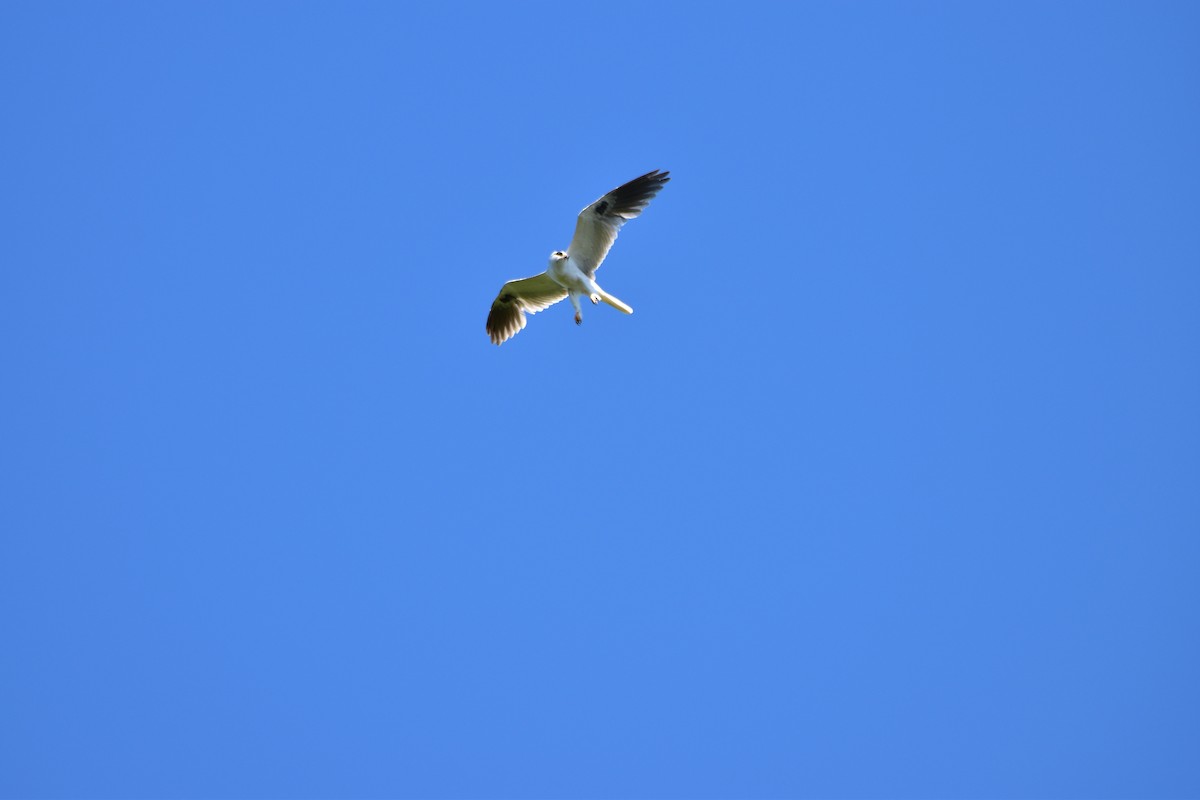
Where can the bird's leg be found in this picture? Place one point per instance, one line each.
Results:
(593, 291)
(578, 311)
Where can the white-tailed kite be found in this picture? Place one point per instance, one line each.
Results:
(572, 274)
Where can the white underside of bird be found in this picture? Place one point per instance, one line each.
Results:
(572, 273)
(567, 274)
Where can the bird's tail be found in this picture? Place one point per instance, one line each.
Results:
(614, 302)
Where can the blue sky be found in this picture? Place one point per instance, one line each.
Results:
(888, 487)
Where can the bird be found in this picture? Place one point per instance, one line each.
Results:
(572, 272)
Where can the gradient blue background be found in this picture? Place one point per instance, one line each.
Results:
(890, 487)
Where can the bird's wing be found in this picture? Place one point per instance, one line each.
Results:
(599, 223)
(531, 295)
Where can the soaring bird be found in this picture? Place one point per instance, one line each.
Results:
(573, 273)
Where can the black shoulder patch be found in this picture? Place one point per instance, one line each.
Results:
(602, 206)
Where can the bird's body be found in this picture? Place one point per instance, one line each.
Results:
(567, 274)
(572, 273)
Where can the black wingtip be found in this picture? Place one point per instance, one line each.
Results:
(634, 195)
(655, 175)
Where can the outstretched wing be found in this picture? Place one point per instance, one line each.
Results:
(531, 295)
(599, 223)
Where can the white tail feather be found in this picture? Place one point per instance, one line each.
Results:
(615, 303)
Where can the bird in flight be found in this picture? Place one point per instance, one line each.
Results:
(573, 273)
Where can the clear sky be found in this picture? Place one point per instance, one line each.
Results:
(890, 487)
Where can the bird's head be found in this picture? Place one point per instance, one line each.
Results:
(556, 256)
